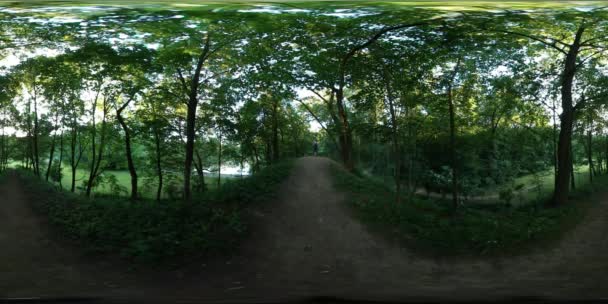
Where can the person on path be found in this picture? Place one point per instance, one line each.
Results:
(315, 148)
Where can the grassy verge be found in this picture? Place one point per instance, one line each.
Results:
(431, 226)
(150, 232)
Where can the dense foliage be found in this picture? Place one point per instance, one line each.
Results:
(152, 231)
(430, 226)
(161, 101)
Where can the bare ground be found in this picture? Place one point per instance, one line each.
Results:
(305, 244)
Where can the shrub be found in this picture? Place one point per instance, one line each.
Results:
(148, 231)
(432, 226)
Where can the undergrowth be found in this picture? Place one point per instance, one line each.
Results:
(434, 227)
(149, 231)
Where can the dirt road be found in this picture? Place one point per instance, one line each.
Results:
(304, 244)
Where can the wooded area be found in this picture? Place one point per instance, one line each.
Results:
(454, 103)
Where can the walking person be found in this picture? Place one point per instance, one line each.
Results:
(315, 147)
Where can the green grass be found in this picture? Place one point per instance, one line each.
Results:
(433, 227)
(124, 179)
(533, 189)
(146, 191)
(151, 232)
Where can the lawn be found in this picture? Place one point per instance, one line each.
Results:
(147, 186)
(147, 190)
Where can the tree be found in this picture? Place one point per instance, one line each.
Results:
(576, 50)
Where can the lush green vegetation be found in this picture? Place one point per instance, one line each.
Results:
(485, 105)
(432, 226)
(152, 231)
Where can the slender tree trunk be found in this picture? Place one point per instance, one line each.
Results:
(564, 155)
(36, 157)
(219, 162)
(191, 117)
(97, 155)
(241, 163)
(198, 165)
(395, 138)
(61, 161)
(453, 160)
(93, 148)
(275, 131)
(346, 137)
(606, 152)
(572, 181)
(554, 145)
(159, 170)
(190, 133)
(128, 152)
(51, 155)
(590, 152)
(73, 165)
(2, 144)
(52, 152)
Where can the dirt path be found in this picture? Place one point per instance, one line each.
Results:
(31, 260)
(305, 244)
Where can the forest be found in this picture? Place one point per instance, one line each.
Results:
(157, 130)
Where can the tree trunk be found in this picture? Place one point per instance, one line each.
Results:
(96, 162)
(190, 133)
(453, 160)
(159, 170)
(554, 145)
(606, 154)
(191, 116)
(198, 165)
(128, 152)
(2, 145)
(93, 147)
(346, 139)
(51, 155)
(572, 181)
(395, 138)
(52, 152)
(219, 162)
(275, 130)
(564, 155)
(60, 160)
(590, 152)
(73, 163)
(36, 158)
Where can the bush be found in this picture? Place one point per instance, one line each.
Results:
(434, 227)
(148, 231)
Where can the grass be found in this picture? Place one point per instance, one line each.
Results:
(537, 186)
(533, 189)
(152, 232)
(433, 227)
(123, 179)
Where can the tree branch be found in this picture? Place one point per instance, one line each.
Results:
(318, 120)
(318, 95)
(182, 80)
(378, 35)
(541, 39)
